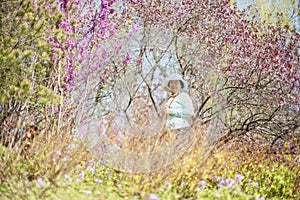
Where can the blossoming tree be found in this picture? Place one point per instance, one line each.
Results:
(43, 45)
(241, 71)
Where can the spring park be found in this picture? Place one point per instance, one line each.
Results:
(149, 99)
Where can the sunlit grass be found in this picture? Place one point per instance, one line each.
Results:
(64, 169)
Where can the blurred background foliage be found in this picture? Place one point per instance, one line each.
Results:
(42, 159)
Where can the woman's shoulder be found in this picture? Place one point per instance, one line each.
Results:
(183, 94)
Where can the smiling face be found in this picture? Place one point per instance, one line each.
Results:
(175, 86)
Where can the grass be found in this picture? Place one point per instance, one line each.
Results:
(64, 169)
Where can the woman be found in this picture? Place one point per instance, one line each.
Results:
(179, 107)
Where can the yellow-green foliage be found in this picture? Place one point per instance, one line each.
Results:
(62, 169)
(46, 96)
(34, 173)
(25, 50)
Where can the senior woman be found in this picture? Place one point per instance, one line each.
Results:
(179, 107)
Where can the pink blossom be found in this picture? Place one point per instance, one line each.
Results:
(127, 59)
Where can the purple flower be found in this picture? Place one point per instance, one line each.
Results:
(168, 184)
(71, 43)
(104, 4)
(229, 183)
(98, 180)
(82, 174)
(152, 197)
(88, 192)
(139, 60)
(239, 178)
(41, 183)
(118, 48)
(91, 163)
(91, 169)
(202, 183)
(67, 177)
(69, 88)
(222, 184)
(65, 25)
(127, 59)
(104, 54)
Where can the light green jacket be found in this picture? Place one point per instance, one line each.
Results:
(181, 109)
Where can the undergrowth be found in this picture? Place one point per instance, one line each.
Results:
(64, 169)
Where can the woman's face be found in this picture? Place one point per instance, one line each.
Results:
(175, 86)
